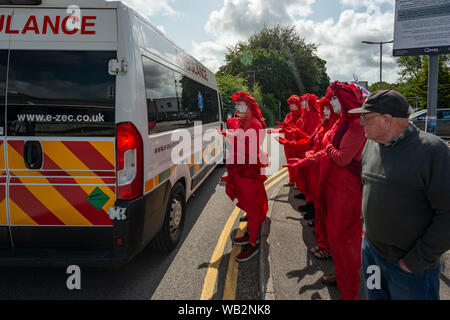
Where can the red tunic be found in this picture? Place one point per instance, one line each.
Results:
(289, 151)
(245, 181)
(341, 197)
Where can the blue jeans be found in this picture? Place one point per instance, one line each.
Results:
(397, 284)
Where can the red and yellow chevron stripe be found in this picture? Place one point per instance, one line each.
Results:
(195, 162)
(57, 194)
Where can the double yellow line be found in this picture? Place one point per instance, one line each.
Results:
(232, 271)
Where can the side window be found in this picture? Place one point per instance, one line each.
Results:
(175, 101)
(162, 99)
(445, 115)
(199, 102)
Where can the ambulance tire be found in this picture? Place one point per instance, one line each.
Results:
(170, 234)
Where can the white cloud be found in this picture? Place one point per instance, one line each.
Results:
(339, 41)
(355, 4)
(153, 7)
(340, 44)
(244, 17)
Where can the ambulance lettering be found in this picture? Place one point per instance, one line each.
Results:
(52, 25)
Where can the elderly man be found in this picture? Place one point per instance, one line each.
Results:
(405, 203)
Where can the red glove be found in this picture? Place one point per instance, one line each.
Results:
(294, 162)
(326, 139)
(284, 125)
(285, 131)
(274, 131)
(299, 134)
(282, 140)
(221, 132)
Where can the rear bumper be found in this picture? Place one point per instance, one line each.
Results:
(61, 258)
(88, 246)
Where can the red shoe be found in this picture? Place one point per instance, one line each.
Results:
(247, 253)
(242, 240)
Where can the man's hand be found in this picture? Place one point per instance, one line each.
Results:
(403, 266)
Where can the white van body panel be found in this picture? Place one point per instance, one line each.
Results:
(153, 44)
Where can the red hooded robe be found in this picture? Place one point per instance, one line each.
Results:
(341, 188)
(307, 177)
(245, 181)
(290, 120)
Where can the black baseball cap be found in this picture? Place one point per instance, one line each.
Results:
(385, 102)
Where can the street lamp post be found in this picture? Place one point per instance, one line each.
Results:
(381, 57)
(258, 70)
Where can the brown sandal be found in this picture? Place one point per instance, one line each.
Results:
(315, 249)
(322, 254)
(329, 279)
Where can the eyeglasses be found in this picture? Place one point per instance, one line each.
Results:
(366, 120)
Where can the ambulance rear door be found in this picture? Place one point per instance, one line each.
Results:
(4, 219)
(60, 129)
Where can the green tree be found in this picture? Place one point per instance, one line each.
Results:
(228, 85)
(413, 81)
(421, 83)
(281, 63)
(410, 67)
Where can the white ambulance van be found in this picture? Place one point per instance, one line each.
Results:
(90, 96)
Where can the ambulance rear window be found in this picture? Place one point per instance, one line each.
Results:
(61, 93)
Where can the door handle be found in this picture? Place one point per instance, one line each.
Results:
(32, 155)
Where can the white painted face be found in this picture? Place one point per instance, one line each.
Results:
(303, 104)
(242, 108)
(293, 107)
(327, 113)
(337, 108)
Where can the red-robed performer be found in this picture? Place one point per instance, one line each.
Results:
(290, 120)
(308, 177)
(302, 131)
(245, 181)
(305, 126)
(340, 188)
(310, 118)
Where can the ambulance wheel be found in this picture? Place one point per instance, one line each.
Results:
(170, 234)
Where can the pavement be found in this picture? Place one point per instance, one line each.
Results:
(288, 270)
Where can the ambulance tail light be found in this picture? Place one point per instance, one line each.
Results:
(129, 162)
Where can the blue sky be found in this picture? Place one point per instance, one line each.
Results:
(204, 28)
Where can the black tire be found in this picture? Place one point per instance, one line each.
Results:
(170, 234)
